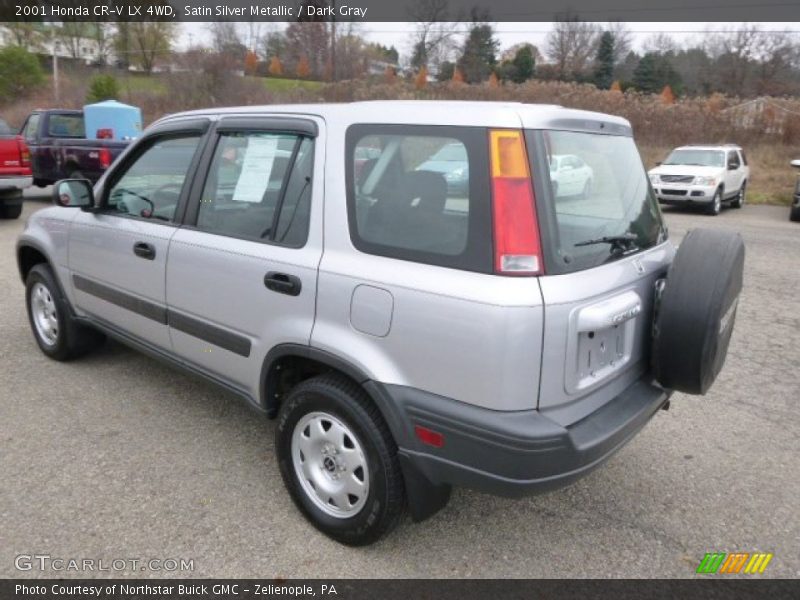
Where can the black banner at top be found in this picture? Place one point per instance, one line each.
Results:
(400, 10)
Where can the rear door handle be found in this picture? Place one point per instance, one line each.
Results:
(144, 250)
(283, 283)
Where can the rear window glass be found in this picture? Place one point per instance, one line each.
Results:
(420, 193)
(66, 126)
(591, 186)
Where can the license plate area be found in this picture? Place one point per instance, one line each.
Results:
(601, 340)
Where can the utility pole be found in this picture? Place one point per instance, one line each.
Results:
(333, 42)
(55, 67)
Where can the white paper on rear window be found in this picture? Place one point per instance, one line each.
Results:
(256, 168)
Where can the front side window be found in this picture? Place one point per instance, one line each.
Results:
(259, 188)
(596, 187)
(420, 194)
(150, 186)
(733, 159)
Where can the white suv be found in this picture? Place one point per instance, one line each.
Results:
(704, 175)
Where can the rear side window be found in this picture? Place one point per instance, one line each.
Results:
(744, 158)
(420, 194)
(590, 186)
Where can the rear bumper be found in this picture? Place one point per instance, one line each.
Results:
(514, 453)
(15, 183)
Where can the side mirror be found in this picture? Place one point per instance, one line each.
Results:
(732, 166)
(73, 193)
(795, 163)
(658, 164)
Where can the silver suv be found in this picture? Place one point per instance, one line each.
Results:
(413, 322)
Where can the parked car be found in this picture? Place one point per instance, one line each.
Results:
(451, 161)
(708, 176)
(405, 342)
(794, 212)
(570, 176)
(15, 171)
(59, 148)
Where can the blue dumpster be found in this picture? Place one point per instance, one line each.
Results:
(112, 120)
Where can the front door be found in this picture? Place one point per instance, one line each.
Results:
(118, 255)
(242, 272)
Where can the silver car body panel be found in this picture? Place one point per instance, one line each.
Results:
(478, 338)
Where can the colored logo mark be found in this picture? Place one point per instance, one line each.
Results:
(735, 562)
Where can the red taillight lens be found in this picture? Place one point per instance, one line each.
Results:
(24, 153)
(517, 247)
(429, 436)
(105, 133)
(105, 157)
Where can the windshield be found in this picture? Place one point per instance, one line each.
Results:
(699, 158)
(595, 187)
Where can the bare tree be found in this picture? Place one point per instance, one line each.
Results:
(777, 54)
(72, 34)
(433, 40)
(571, 45)
(734, 52)
(623, 40)
(150, 41)
(24, 34)
(660, 43)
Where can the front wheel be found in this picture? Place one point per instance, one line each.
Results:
(10, 211)
(339, 461)
(716, 204)
(55, 331)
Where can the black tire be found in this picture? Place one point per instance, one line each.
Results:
(715, 206)
(385, 500)
(697, 310)
(739, 201)
(10, 211)
(794, 214)
(72, 339)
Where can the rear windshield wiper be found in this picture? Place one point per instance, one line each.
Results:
(624, 242)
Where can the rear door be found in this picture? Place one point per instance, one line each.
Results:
(598, 295)
(242, 271)
(118, 255)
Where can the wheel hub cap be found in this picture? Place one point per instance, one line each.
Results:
(45, 316)
(330, 464)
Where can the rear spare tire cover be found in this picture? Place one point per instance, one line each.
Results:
(697, 310)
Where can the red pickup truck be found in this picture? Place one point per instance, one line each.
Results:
(15, 171)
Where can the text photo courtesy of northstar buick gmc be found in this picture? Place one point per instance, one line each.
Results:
(409, 331)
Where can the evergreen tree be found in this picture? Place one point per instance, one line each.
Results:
(478, 57)
(524, 64)
(604, 62)
(655, 71)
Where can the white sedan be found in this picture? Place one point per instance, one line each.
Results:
(570, 176)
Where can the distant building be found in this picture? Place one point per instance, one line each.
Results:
(81, 42)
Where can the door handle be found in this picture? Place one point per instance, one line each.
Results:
(144, 250)
(283, 283)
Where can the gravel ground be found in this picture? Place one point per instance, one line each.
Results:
(118, 456)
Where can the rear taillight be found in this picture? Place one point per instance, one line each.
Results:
(105, 157)
(517, 248)
(24, 152)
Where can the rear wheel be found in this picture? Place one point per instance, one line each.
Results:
(10, 211)
(738, 202)
(339, 461)
(54, 329)
(716, 204)
(10, 204)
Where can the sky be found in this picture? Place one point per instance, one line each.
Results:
(398, 34)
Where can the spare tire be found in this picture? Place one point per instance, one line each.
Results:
(696, 310)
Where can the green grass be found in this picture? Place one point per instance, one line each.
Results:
(279, 84)
(142, 83)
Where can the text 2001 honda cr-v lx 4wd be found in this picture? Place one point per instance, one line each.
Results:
(409, 335)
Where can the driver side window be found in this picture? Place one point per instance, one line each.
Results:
(150, 186)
